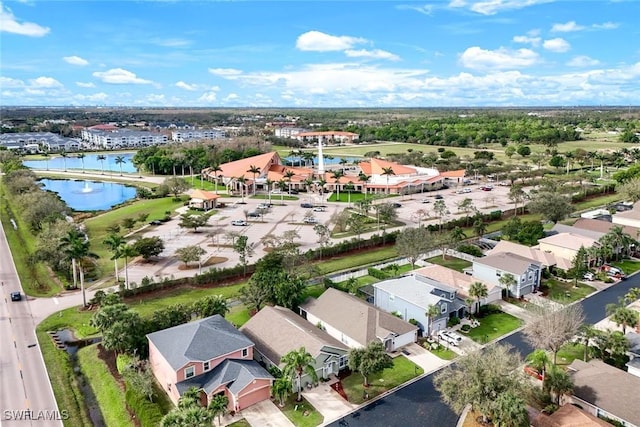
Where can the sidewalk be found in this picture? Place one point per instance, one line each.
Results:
(516, 311)
(328, 402)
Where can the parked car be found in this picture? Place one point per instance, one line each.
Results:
(466, 190)
(533, 372)
(438, 196)
(293, 191)
(239, 222)
(588, 276)
(16, 296)
(396, 205)
(253, 215)
(264, 206)
(155, 222)
(306, 205)
(486, 188)
(319, 209)
(426, 201)
(310, 220)
(450, 337)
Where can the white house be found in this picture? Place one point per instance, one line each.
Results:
(525, 271)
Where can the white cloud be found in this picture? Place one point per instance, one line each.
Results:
(317, 41)
(533, 41)
(120, 76)
(9, 83)
(557, 45)
(375, 54)
(582, 61)
(231, 97)
(491, 7)
(174, 42)
(501, 59)
(75, 60)
(86, 85)
(186, 86)
(225, 72)
(566, 27)
(457, 3)
(45, 82)
(9, 24)
(426, 9)
(606, 26)
(208, 97)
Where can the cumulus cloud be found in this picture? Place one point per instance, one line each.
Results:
(231, 97)
(316, 41)
(567, 27)
(500, 59)
(457, 3)
(533, 41)
(10, 83)
(186, 86)
(208, 97)
(426, 9)
(120, 76)
(491, 7)
(581, 61)
(606, 26)
(45, 82)
(86, 85)
(374, 54)
(225, 72)
(75, 60)
(556, 45)
(10, 24)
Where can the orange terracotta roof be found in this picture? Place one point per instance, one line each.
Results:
(366, 167)
(204, 195)
(454, 174)
(377, 166)
(239, 168)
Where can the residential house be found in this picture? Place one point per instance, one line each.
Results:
(460, 282)
(525, 271)
(410, 296)
(629, 218)
(546, 259)
(633, 365)
(566, 245)
(197, 134)
(212, 356)
(277, 330)
(592, 234)
(568, 416)
(605, 391)
(604, 226)
(205, 200)
(355, 323)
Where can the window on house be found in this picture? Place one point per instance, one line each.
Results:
(342, 362)
(189, 372)
(245, 352)
(443, 308)
(206, 366)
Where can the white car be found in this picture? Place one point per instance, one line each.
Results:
(449, 337)
(319, 209)
(310, 220)
(589, 276)
(239, 222)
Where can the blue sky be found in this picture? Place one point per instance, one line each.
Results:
(320, 54)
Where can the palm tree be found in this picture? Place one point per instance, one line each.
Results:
(126, 252)
(343, 162)
(218, 406)
(64, 156)
(539, 359)
(67, 244)
(587, 332)
(255, 171)
(81, 156)
(349, 187)
(321, 183)
(622, 315)
(559, 382)
(215, 169)
(282, 185)
(478, 290)
(288, 175)
(388, 172)
(457, 234)
(507, 281)
(336, 175)
(269, 184)
(364, 178)
(76, 247)
(243, 183)
(479, 227)
(432, 312)
(281, 388)
(120, 160)
(115, 242)
(297, 363)
(101, 158)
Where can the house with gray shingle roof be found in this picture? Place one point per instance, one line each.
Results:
(525, 271)
(277, 330)
(211, 355)
(356, 323)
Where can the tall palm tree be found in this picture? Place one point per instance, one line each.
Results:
(478, 290)
(281, 388)
(622, 315)
(349, 187)
(508, 281)
(587, 332)
(243, 184)
(255, 171)
(282, 185)
(67, 244)
(101, 158)
(218, 406)
(336, 175)
(269, 184)
(540, 360)
(127, 252)
(559, 382)
(388, 172)
(215, 169)
(64, 156)
(296, 364)
(115, 243)
(432, 312)
(81, 156)
(321, 183)
(343, 162)
(364, 178)
(76, 246)
(288, 174)
(120, 160)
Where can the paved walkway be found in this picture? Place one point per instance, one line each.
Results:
(428, 361)
(328, 402)
(265, 414)
(516, 311)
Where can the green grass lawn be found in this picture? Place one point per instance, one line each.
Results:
(238, 315)
(402, 371)
(564, 292)
(628, 266)
(450, 262)
(108, 392)
(296, 411)
(355, 260)
(596, 202)
(315, 291)
(568, 353)
(240, 423)
(494, 326)
(443, 353)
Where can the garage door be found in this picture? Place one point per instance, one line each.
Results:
(255, 396)
(405, 339)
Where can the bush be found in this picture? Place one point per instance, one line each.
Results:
(485, 310)
(148, 414)
(470, 249)
(465, 328)
(378, 274)
(453, 321)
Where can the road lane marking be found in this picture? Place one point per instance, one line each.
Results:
(55, 301)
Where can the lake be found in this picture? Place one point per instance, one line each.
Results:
(91, 162)
(89, 195)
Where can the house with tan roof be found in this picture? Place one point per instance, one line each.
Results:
(629, 218)
(355, 323)
(277, 330)
(566, 245)
(459, 281)
(568, 416)
(604, 226)
(525, 271)
(546, 259)
(203, 200)
(605, 391)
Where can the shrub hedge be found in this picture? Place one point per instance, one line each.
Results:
(148, 414)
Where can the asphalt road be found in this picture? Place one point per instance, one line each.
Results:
(419, 404)
(26, 397)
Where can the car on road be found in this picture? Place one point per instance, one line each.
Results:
(155, 222)
(16, 296)
(396, 205)
(264, 206)
(486, 187)
(466, 190)
(438, 197)
(319, 209)
(310, 220)
(306, 205)
(253, 215)
(426, 201)
(450, 337)
(239, 222)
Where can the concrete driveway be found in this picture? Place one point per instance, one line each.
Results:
(328, 402)
(428, 361)
(265, 414)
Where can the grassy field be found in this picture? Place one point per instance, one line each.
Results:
(570, 352)
(301, 414)
(596, 202)
(493, 326)
(240, 423)
(565, 292)
(108, 392)
(238, 315)
(444, 353)
(402, 371)
(450, 262)
(355, 260)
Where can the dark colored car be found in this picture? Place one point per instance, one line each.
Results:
(438, 196)
(396, 205)
(16, 296)
(293, 192)
(253, 215)
(306, 205)
(155, 222)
